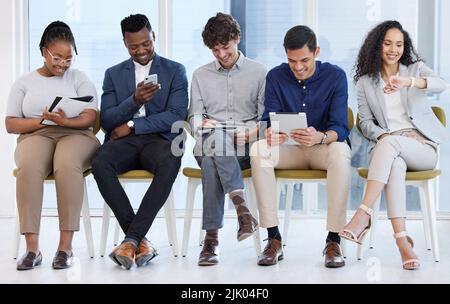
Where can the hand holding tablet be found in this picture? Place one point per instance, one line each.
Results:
(285, 123)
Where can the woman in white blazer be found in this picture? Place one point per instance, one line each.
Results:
(395, 116)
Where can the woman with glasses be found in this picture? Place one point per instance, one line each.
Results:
(63, 147)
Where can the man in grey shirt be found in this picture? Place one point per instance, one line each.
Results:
(227, 101)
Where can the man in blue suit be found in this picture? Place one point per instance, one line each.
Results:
(138, 119)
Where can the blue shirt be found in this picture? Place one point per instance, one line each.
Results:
(323, 97)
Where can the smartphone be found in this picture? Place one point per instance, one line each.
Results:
(151, 79)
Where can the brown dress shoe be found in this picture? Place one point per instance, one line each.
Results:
(145, 253)
(210, 253)
(124, 254)
(29, 260)
(62, 260)
(333, 255)
(272, 253)
(247, 225)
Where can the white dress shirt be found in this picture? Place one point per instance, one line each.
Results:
(141, 71)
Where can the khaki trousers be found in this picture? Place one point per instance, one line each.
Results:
(389, 161)
(334, 158)
(65, 152)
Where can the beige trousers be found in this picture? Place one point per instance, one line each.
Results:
(335, 158)
(65, 152)
(389, 161)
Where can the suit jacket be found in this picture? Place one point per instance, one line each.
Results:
(167, 106)
(372, 108)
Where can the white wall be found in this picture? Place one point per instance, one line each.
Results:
(7, 182)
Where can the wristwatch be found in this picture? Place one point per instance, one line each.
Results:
(130, 124)
(324, 138)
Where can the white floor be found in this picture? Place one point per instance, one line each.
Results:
(303, 258)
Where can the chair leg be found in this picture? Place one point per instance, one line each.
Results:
(190, 199)
(168, 217)
(169, 211)
(311, 198)
(105, 228)
(426, 216)
(87, 222)
(252, 205)
(116, 233)
(344, 248)
(287, 212)
(429, 190)
(17, 237)
(202, 234)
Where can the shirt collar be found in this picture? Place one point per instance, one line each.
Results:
(238, 63)
(314, 76)
(138, 66)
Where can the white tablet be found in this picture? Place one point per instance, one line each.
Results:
(285, 122)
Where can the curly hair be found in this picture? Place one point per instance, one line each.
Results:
(220, 29)
(369, 58)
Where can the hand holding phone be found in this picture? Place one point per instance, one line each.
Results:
(151, 79)
(147, 89)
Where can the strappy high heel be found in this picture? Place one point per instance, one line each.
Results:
(358, 238)
(411, 264)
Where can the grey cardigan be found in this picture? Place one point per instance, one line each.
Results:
(372, 109)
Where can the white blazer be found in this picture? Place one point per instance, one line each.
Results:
(372, 109)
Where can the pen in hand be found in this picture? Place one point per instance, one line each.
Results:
(207, 121)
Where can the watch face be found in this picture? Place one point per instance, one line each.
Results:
(130, 124)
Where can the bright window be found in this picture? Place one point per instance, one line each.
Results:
(341, 27)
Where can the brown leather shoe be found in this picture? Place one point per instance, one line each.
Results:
(29, 260)
(145, 253)
(247, 225)
(124, 254)
(272, 253)
(333, 255)
(62, 260)
(209, 255)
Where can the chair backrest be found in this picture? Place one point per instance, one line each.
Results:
(350, 119)
(440, 114)
(438, 111)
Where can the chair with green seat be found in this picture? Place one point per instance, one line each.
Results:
(84, 210)
(306, 177)
(426, 181)
(140, 176)
(194, 180)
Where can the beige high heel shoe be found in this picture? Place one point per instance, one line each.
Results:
(358, 238)
(411, 264)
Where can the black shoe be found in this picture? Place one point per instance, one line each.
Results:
(29, 260)
(62, 260)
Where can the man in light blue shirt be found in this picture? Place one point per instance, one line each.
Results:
(228, 92)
